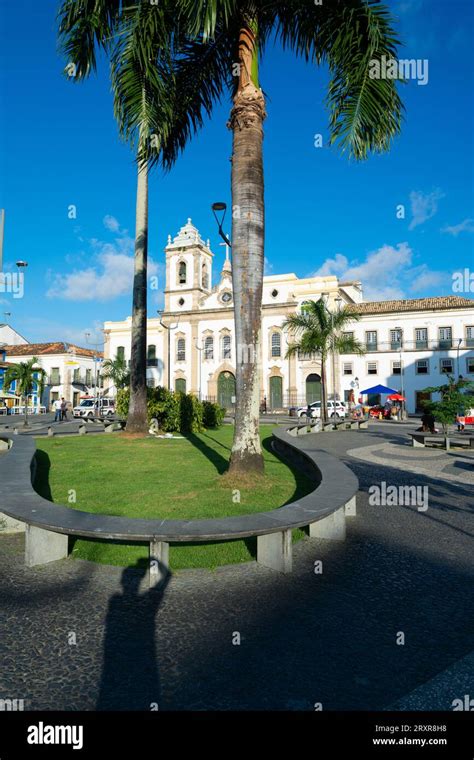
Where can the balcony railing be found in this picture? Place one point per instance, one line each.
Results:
(152, 362)
(418, 345)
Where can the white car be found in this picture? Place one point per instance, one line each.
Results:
(89, 407)
(339, 411)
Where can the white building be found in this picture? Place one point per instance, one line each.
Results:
(70, 370)
(191, 347)
(10, 337)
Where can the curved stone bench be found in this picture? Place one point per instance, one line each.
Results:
(48, 525)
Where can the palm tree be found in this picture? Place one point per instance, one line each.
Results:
(140, 39)
(117, 371)
(365, 114)
(26, 375)
(322, 332)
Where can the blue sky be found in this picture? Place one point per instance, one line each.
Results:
(325, 214)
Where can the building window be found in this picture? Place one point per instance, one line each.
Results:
(421, 337)
(55, 378)
(151, 360)
(371, 340)
(445, 337)
(180, 385)
(395, 340)
(226, 347)
(371, 368)
(150, 382)
(276, 344)
(209, 348)
(76, 376)
(470, 336)
(121, 353)
(180, 350)
(447, 366)
(88, 377)
(396, 368)
(470, 366)
(274, 293)
(182, 273)
(347, 368)
(422, 367)
(205, 277)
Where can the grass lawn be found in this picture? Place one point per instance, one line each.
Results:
(160, 478)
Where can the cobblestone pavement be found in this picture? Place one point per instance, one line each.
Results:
(305, 638)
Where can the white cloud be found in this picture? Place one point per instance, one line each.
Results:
(466, 226)
(423, 206)
(39, 330)
(267, 267)
(109, 276)
(387, 273)
(111, 223)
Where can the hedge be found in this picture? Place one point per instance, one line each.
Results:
(175, 411)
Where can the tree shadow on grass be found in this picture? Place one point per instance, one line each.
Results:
(220, 463)
(41, 480)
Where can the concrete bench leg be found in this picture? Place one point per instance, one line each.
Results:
(350, 508)
(418, 442)
(333, 526)
(447, 444)
(275, 551)
(43, 546)
(158, 562)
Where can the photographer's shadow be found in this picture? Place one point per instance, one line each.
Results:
(130, 675)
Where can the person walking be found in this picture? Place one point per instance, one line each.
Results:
(63, 409)
(57, 410)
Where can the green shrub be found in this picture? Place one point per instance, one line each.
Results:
(191, 413)
(175, 411)
(213, 414)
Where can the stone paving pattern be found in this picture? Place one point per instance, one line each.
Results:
(305, 638)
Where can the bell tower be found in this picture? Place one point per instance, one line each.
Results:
(188, 269)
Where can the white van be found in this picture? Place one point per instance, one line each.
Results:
(98, 407)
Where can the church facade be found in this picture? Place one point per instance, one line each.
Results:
(410, 344)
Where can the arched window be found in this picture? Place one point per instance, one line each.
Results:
(209, 347)
(276, 344)
(205, 277)
(180, 385)
(151, 359)
(180, 350)
(226, 347)
(182, 273)
(121, 352)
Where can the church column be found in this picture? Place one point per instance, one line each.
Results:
(195, 359)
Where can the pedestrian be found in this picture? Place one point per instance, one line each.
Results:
(428, 422)
(57, 410)
(63, 409)
(309, 414)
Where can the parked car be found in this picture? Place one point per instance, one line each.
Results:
(90, 407)
(339, 411)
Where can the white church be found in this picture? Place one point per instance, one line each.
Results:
(410, 344)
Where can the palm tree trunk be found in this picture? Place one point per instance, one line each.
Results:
(324, 402)
(25, 399)
(246, 122)
(137, 415)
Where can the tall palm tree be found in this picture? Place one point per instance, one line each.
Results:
(26, 375)
(364, 116)
(117, 371)
(321, 332)
(140, 39)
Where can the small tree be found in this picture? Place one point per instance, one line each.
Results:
(117, 371)
(318, 331)
(26, 375)
(453, 401)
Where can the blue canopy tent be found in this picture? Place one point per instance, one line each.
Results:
(379, 389)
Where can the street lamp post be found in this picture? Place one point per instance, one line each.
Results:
(459, 346)
(220, 207)
(170, 328)
(402, 389)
